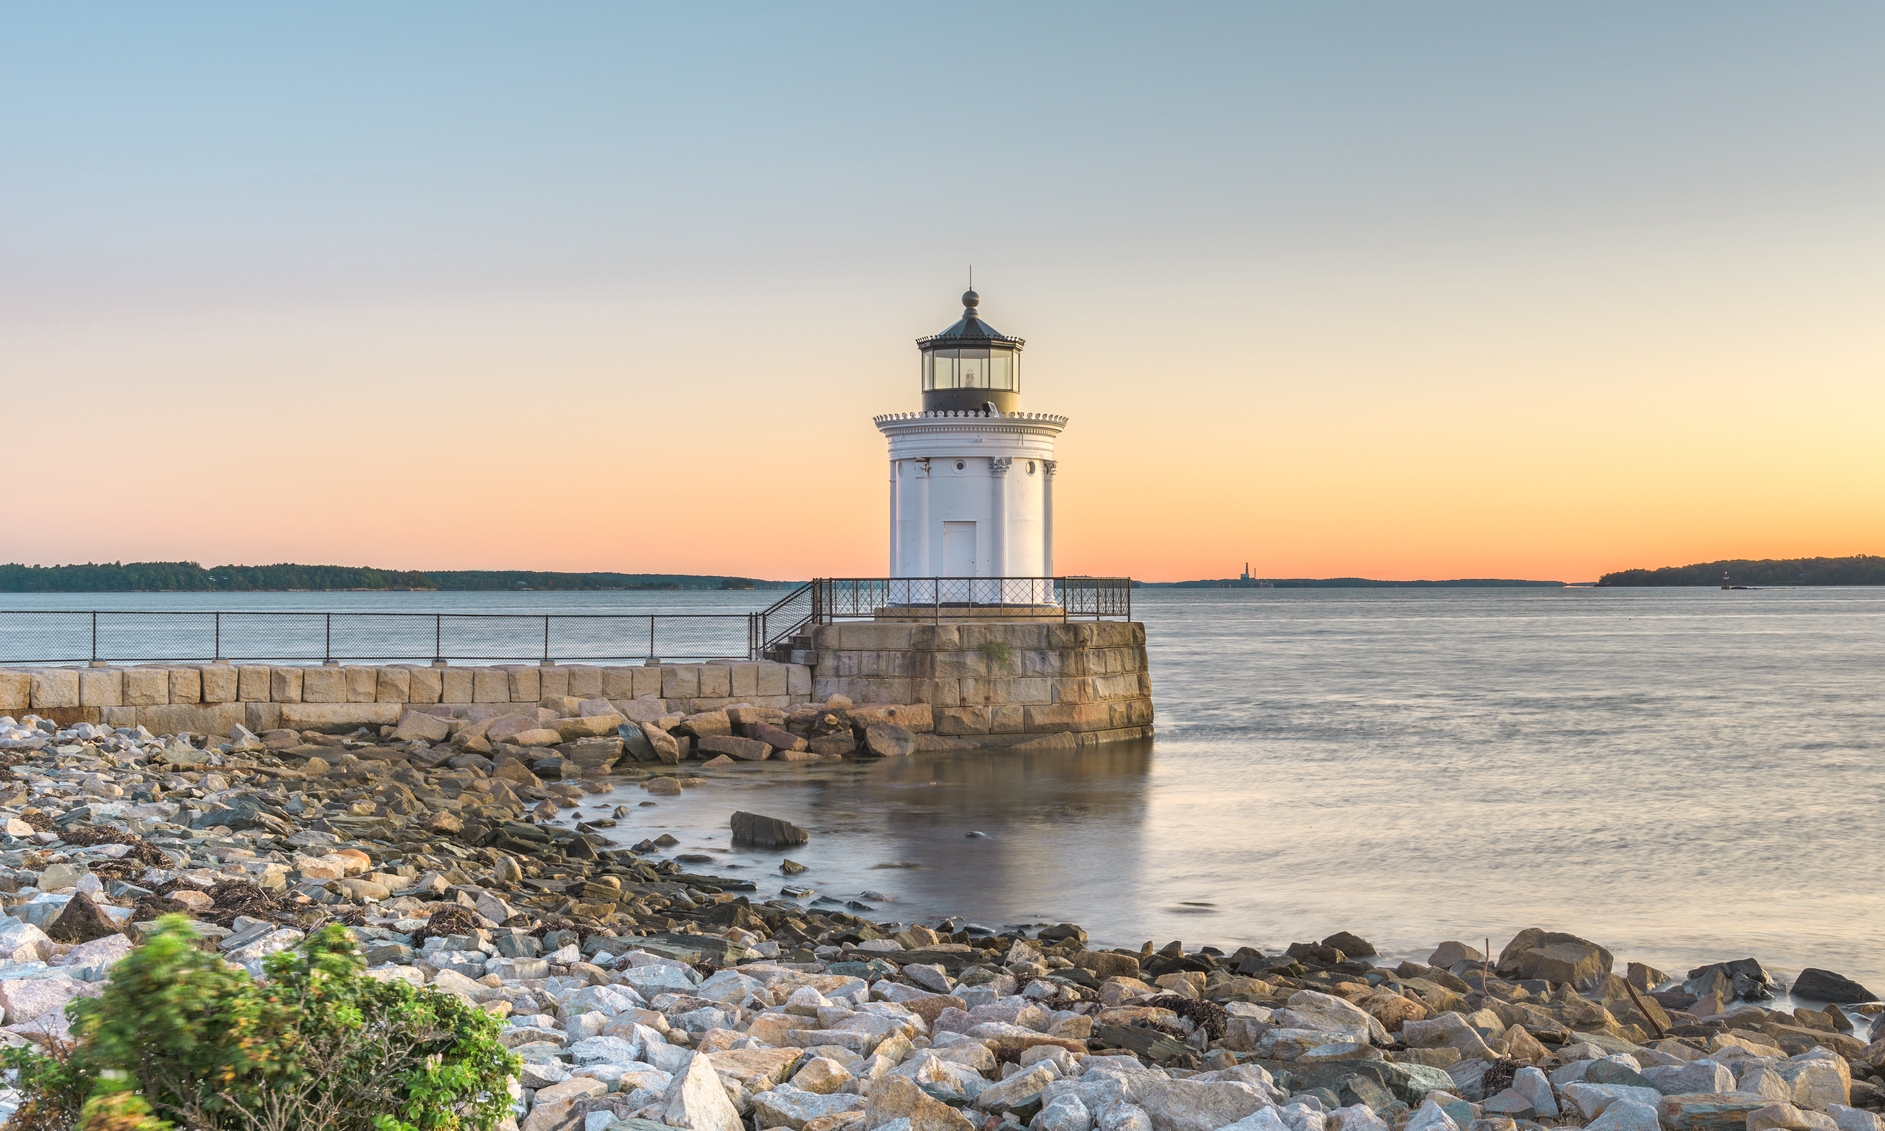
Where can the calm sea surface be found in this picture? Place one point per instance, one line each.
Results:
(1681, 775)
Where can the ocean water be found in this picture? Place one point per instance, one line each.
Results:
(1683, 776)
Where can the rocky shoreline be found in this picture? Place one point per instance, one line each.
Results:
(641, 994)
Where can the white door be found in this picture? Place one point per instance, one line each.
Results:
(958, 549)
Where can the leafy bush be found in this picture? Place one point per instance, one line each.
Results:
(180, 1037)
(999, 655)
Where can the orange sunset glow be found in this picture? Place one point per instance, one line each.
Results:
(1519, 305)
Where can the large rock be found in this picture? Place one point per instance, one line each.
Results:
(418, 725)
(896, 1097)
(1327, 1013)
(1627, 1115)
(21, 941)
(787, 1106)
(769, 832)
(29, 999)
(588, 726)
(1818, 1079)
(1709, 1111)
(1017, 1090)
(888, 740)
(776, 737)
(666, 747)
(1187, 1105)
(697, 1100)
(1824, 985)
(733, 746)
(1555, 957)
(1687, 1079)
(81, 922)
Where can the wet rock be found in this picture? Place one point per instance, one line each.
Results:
(887, 740)
(1352, 945)
(770, 832)
(1450, 954)
(1824, 985)
(1555, 957)
(732, 746)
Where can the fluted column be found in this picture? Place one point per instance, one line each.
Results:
(924, 566)
(1047, 518)
(895, 566)
(998, 541)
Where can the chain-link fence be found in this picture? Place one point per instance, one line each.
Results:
(124, 636)
(311, 637)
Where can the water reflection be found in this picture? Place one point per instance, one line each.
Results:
(902, 828)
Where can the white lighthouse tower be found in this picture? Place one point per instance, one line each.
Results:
(972, 476)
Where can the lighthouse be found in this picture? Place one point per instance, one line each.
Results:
(971, 475)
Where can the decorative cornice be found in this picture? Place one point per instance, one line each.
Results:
(961, 415)
(960, 422)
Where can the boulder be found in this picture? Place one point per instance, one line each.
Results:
(418, 725)
(745, 749)
(81, 922)
(28, 999)
(770, 832)
(1352, 945)
(705, 724)
(1709, 1111)
(635, 742)
(777, 738)
(697, 1100)
(791, 1107)
(1555, 957)
(898, 1098)
(666, 748)
(1824, 985)
(1627, 1115)
(588, 726)
(1450, 954)
(834, 745)
(888, 740)
(1188, 1105)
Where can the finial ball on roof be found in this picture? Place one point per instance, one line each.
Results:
(970, 299)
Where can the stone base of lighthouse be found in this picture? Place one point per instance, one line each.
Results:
(979, 685)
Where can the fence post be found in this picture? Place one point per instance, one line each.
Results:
(651, 636)
(438, 637)
(327, 647)
(94, 636)
(546, 636)
(219, 636)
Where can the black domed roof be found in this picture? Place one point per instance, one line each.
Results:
(969, 330)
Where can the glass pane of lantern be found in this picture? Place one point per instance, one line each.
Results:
(1001, 371)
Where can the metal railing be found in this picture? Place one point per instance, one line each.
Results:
(847, 598)
(313, 637)
(127, 636)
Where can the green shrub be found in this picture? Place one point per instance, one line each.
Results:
(180, 1037)
(999, 655)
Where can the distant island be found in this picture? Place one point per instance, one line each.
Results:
(1860, 569)
(189, 577)
(1350, 583)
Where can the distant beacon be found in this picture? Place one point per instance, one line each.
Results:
(971, 476)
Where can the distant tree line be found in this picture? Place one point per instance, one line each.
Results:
(1861, 569)
(486, 580)
(189, 577)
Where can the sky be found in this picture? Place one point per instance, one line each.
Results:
(1389, 290)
